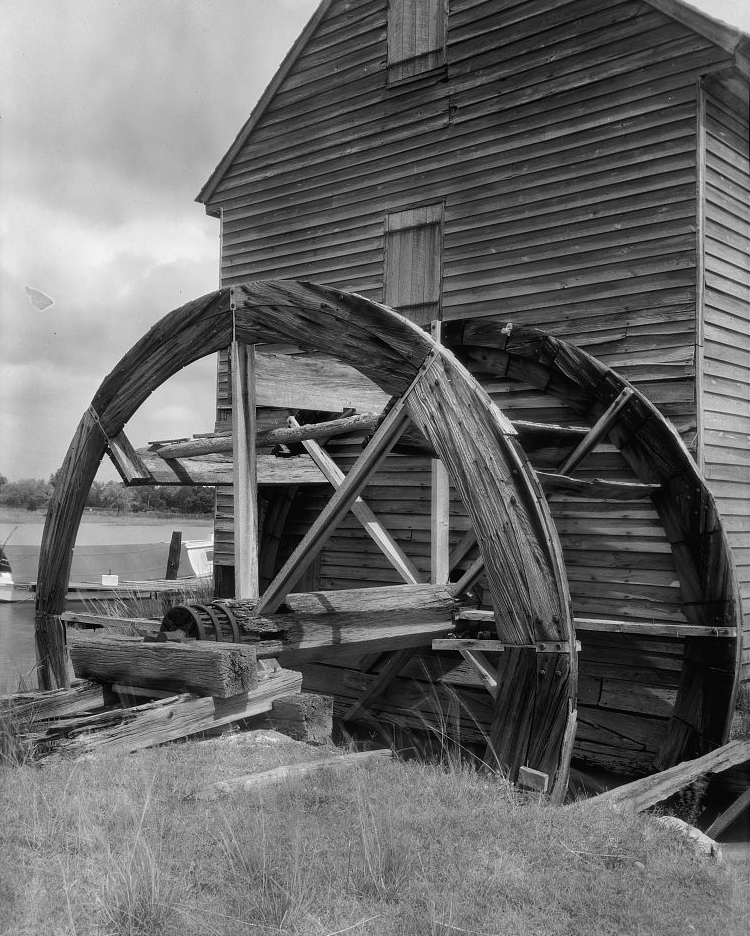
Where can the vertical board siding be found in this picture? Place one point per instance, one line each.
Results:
(726, 315)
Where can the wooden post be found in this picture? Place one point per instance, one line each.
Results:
(439, 508)
(244, 472)
(173, 560)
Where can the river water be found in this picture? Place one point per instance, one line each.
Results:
(17, 653)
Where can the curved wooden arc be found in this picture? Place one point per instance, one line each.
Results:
(475, 441)
(708, 582)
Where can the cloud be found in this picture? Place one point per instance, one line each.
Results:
(115, 112)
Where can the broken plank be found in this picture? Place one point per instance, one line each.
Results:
(54, 703)
(132, 729)
(204, 667)
(138, 626)
(336, 763)
(597, 432)
(648, 791)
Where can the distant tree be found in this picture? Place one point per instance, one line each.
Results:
(3, 480)
(30, 493)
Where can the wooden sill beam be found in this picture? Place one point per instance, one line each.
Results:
(497, 646)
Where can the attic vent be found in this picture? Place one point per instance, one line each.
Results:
(416, 37)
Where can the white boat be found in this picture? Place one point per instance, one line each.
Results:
(9, 591)
(107, 568)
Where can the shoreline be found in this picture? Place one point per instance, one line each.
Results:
(20, 515)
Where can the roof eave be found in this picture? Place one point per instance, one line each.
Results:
(286, 66)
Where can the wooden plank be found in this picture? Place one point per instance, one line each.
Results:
(483, 667)
(595, 488)
(127, 461)
(597, 432)
(648, 791)
(395, 663)
(217, 470)
(729, 815)
(43, 706)
(336, 764)
(244, 471)
(372, 526)
(283, 435)
(173, 559)
(439, 524)
(132, 729)
(203, 667)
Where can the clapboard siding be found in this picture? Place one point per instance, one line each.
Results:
(562, 144)
(726, 315)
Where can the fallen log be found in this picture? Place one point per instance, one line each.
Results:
(131, 729)
(214, 669)
(338, 763)
(648, 791)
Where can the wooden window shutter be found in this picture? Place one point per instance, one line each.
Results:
(416, 37)
(413, 262)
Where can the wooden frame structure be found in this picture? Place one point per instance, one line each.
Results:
(498, 473)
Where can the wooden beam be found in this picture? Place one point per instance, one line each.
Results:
(467, 542)
(173, 559)
(470, 577)
(127, 461)
(484, 668)
(55, 703)
(440, 493)
(131, 729)
(283, 435)
(605, 625)
(373, 527)
(597, 432)
(648, 791)
(244, 474)
(396, 662)
(204, 667)
(217, 470)
(554, 483)
(729, 815)
(498, 646)
(322, 529)
(255, 781)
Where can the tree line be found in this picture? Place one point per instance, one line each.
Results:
(34, 494)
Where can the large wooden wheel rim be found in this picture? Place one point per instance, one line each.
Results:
(703, 710)
(522, 560)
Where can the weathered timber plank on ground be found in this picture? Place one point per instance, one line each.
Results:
(131, 729)
(648, 791)
(220, 670)
(54, 703)
(338, 763)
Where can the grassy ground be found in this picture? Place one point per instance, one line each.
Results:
(117, 846)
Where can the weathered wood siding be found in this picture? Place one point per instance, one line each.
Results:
(562, 144)
(725, 183)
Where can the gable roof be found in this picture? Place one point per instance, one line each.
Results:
(730, 38)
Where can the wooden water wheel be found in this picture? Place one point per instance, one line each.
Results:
(529, 716)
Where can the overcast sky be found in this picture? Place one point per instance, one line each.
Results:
(114, 114)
